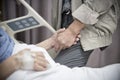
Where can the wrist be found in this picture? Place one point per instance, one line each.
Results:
(51, 42)
(47, 44)
(16, 62)
(76, 27)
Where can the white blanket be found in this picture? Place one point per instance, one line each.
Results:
(61, 72)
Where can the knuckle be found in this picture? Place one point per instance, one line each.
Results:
(58, 38)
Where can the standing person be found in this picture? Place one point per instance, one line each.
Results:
(94, 20)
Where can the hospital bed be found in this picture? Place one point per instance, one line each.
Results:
(27, 22)
(30, 21)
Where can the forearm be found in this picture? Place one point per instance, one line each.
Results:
(47, 44)
(76, 27)
(90, 11)
(7, 67)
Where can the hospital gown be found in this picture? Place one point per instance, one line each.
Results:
(60, 72)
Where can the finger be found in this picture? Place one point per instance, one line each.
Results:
(61, 46)
(75, 43)
(61, 30)
(41, 61)
(37, 54)
(39, 68)
(23, 51)
(77, 39)
(68, 45)
(56, 47)
(78, 36)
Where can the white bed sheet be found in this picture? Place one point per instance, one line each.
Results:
(61, 72)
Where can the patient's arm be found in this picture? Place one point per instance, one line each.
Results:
(47, 44)
(50, 42)
(17, 61)
(8, 66)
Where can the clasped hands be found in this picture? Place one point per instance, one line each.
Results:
(65, 38)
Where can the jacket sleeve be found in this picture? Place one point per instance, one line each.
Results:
(90, 10)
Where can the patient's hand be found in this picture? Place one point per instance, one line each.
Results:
(29, 60)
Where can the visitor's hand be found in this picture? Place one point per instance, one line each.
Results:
(54, 40)
(29, 60)
(66, 39)
(70, 36)
(77, 39)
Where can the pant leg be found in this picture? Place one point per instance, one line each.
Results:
(73, 56)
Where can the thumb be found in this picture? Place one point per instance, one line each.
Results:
(60, 30)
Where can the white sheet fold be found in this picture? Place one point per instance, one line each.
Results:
(61, 72)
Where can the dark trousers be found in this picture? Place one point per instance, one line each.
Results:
(73, 56)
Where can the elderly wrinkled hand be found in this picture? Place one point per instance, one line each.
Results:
(66, 39)
(30, 60)
(70, 36)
